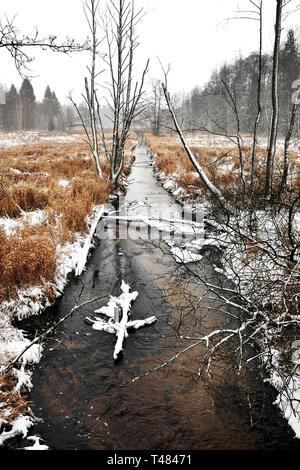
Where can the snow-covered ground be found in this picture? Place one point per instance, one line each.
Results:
(170, 185)
(11, 139)
(213, 141)
(10, 225)
(288, 398)
(254, 274)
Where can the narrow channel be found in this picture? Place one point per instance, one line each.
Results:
(86, 400)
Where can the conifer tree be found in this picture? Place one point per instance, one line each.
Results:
(51, 110)
(27, 105)
(11, 114)
(51, 125)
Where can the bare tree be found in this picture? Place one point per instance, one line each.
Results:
(125, 100)
(211, 187)
(256, 14)
(286, 163)
(231, 99)
(259, 11)
(91, 9)
(125, 96)
(155, 112)
(252, 284)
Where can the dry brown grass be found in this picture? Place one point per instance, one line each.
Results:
(33, 174)
(15, 404)
(23, 196)
(25, 259)
(222, 166)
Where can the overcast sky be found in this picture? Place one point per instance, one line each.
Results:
(192, 35)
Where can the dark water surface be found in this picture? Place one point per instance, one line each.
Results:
(88, 401)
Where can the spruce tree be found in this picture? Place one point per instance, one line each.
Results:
(51, 109)
(51, 125)
(27, 102)
(55, 105)
(11, 114)
(289, 59)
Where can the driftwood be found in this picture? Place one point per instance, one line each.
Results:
(116, 306)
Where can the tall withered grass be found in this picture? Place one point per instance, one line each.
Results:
(222, 166)
(59, 179)
(24, 196)
(15, 405)
(26, 258)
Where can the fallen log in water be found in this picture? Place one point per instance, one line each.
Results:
(118, 312)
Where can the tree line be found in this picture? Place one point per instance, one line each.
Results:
(232, 91)
(19, 110)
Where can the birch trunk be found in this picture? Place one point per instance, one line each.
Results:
(259, 108)
(215, 191)
(275, 110)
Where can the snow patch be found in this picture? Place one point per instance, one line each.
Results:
(37, 445)
(10, 225)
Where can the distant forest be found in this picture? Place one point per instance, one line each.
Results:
(233, 89)
(19, 110)
(228, 100)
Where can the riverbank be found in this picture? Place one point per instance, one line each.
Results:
(52, 205)
(249, 262)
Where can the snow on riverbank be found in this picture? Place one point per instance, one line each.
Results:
(10, 225)
(288, 387)
(169, 184)
(243, 271)
(254, 273)
(70, 257)
(13, 139)
(32, 301)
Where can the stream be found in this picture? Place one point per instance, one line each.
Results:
(88, 401)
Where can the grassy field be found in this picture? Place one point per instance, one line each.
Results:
(50, 188)
(220, 159)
